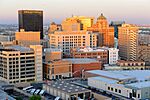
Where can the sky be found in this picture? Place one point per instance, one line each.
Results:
(130, 11)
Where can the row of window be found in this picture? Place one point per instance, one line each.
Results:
(115, 90)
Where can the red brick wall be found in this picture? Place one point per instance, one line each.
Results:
(76, 68)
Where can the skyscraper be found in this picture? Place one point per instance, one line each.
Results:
(106, 32)
(31, 20)
(128, 41)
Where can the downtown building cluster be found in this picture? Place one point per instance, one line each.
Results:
(76, 48)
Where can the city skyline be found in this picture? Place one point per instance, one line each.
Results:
(130, 11)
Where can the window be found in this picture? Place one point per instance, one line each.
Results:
(138, 95)
(52, 70)
(108, 88)
(119, 91)
(115, 90)
(111, 89)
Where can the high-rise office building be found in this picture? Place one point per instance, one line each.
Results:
(106, 32)
(31, 20)
(66, 40)
(77, 23)
(128, 41)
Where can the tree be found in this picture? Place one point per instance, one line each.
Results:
(35, 97)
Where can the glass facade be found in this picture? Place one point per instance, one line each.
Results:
(31, 20)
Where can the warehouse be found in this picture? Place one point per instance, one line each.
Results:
(67, 91)
(129, 84)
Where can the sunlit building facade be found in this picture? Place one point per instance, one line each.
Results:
(66, 40)
(105, 31)
(128, 42)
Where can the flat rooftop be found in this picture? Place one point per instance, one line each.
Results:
(110, 81)
(67, 87)
(140, 75)
(19, 48)
(139, 85)
(111, 74)
(81, 60)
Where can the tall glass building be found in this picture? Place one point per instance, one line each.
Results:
(31, 20)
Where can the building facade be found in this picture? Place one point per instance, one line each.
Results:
(128, 42)
(27, 38)
(113, 56)
(31, 20)
(66, 40)
(144, 53)
(105, 31)
(57, 69)
(80, 65)
(77, 23)
(18, 65)
(99, 54)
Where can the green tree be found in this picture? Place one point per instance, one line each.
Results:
(35, 97)
(19, 98)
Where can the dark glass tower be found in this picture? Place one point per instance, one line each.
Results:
(31, 20)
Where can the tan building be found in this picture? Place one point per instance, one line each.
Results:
(38, 62)
(128, 41)
(27, 38)
(57, 69)
(77, 23)
(52, 54)
(131, 65)
(66, 40)
(144, 53)
(71, 25)
(106, 33)
(19, 64)
(54, 27)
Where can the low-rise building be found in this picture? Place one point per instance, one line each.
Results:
(80, 65)
(100, 54)
(67, 91)
(103, 54)
(52, 54)
(127, 84)
(57, 69)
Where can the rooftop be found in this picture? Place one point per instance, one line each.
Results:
(123, 74)
(91, 50)
(111, 74)
(81, 60)
(110, 81)
(67, 87)
(19, 48)
(139, 85)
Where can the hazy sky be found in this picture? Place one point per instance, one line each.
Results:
(131, 11)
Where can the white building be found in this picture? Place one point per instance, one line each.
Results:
(113, 55)
(128, 84)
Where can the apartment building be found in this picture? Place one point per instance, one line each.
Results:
(128, 42)
(19, 64)
(66, 40)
